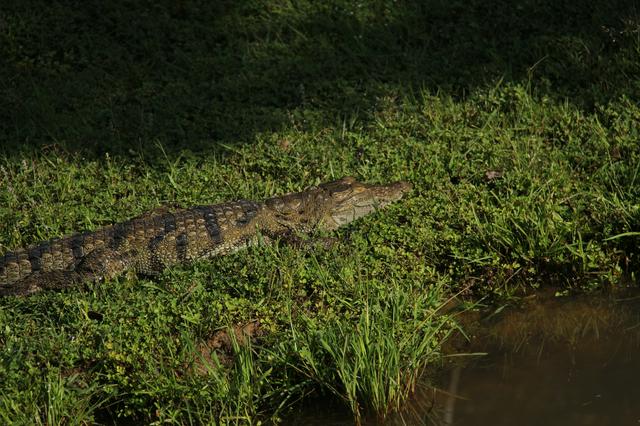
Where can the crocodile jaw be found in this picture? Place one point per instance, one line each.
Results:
(330, 205)
(352, 200)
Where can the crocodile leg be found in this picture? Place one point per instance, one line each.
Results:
(309, 243)
(106, 263)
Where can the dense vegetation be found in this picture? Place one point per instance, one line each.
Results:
(517, 123)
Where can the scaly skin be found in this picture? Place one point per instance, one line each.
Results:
(161, 238)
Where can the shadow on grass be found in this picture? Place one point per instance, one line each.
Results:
(93, 76)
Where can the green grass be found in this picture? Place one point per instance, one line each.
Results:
(376, 366)
(517, 123)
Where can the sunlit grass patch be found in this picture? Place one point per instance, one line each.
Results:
(373, 361)
(60, 399)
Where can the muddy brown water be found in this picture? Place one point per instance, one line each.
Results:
(548, 361)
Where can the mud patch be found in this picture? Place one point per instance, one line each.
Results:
(220, 345)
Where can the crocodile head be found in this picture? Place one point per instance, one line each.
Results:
(334, 204)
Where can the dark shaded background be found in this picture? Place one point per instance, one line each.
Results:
(96, 76)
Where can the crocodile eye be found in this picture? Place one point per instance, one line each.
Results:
(340, 188)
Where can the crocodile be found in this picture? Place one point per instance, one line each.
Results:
(164, 237)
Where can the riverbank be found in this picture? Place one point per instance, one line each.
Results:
(522, 149)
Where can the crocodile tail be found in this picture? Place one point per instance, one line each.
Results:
(15, 266)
